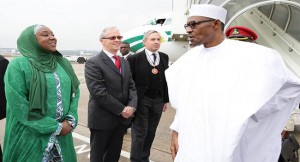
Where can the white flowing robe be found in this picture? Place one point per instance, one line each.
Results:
(232, 102)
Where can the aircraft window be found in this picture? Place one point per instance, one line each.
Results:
(160, 21)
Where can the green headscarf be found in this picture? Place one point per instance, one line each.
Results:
(41, 62)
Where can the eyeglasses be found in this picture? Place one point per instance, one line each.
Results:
(193, 24)
(114, 37)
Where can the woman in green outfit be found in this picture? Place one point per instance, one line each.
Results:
(42, 93)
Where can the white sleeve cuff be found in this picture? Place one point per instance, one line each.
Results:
(58, 130)
(174, 126)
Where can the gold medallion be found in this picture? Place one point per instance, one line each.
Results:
(154, 71)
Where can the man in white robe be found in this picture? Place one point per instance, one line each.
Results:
(232, 98)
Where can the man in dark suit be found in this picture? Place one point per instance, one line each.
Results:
(113, 98)
(3, 66)
(148, 71)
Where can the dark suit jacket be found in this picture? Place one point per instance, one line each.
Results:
(140, 72)
(3, 66)
(110, 91)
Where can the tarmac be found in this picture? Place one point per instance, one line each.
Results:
(160, 151)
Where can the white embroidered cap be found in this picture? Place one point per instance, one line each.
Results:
(210, 11)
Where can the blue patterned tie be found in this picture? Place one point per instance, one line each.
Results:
(154, 58)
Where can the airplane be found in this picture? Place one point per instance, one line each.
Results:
(74, 58)
(274, 21)
(162, 24)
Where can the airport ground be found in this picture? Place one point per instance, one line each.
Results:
(160, 151)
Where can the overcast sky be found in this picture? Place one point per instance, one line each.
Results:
(76, 24)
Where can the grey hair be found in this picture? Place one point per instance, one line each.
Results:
(146, 35)
(103, 34)
(37, 27)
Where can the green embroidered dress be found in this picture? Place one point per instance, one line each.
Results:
(27, 140)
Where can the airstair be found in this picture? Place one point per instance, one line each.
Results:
(276, 22)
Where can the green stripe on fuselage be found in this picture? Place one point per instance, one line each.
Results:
(169, 35)
(134, 39)
(137, 47)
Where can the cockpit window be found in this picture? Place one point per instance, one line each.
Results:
(158, 22)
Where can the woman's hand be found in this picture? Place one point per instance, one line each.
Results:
(66, 128)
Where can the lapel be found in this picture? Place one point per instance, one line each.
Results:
(163, 62)
(109, 62)
(145, 65)
(122, 67)
(144, 62)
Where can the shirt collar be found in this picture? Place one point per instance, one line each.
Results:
(149, 53)
(110, 55)
(126, 55)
